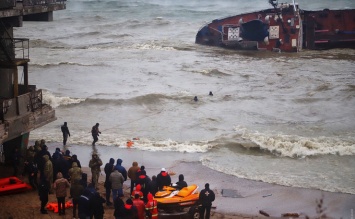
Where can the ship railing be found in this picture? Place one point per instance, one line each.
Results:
(40, 2)
(21, 105)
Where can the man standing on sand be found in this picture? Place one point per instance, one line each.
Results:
(66, 133)
(95, 164)
(95, 133)
(206, 198)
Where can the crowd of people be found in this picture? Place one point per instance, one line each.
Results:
(61, 171)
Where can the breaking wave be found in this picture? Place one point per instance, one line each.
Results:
(55, 101)
(299, 147)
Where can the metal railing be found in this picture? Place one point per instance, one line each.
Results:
(15, 48)
(40, 2)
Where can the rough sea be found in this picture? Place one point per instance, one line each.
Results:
(133, 66)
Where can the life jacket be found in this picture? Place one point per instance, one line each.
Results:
(152, 206)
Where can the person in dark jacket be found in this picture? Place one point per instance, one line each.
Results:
(84, 204)
(181, 184)
(43, 191)
(206, 198)
(108, 170)
(153, 186)
(95, 133)
(121, 168)
(76, 190)
(32, 170)
(66, 133)
(118, 204)
(129, 210)
(73, 159)
(98, 208)
(163, 179)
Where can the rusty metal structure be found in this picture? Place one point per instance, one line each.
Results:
(21, 104)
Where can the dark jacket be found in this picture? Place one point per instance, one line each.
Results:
(43, 190)
(163, 179)
(84, 204)
(181, 184)
(97, 201)
(207, 196)
(108, 170)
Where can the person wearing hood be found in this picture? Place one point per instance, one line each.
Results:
(108, 170)
(60, 185)
(95, 164)
(139, 203)
(121, 169)
(132, 174)
(151, 207)
(76, 190)
(66, 133)
(137, 191)
(181, 183)
(163, 179)
(129, 210)
(48, 172)
(116, 179)
(75, 172)
(206, 198)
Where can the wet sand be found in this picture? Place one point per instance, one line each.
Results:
(250, 197)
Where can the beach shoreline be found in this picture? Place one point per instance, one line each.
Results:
(235, 197)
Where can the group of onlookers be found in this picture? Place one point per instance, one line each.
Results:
(60, 171)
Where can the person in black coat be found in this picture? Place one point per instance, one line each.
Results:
(206, 198)
(163, 179)
(43, 191)
(181, 184)
(98, 208)
(108, 170)
(32, 170)
(66, 133)
(153, 186)
(85, 204)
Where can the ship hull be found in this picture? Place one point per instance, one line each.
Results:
(284, 28)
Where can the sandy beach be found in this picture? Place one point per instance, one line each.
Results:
(235, 197)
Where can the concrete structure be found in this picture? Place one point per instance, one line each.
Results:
(21, 105)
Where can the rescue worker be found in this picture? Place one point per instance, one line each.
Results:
(137, 191)
(206, 198)
(66, 133)
(129, 210)
(95, 164)
(95, 133)
(151, 207)
(163, 179)
(181, 184)
(140, 206)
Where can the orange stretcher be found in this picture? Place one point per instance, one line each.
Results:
(53, 206)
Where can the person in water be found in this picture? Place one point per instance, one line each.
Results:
(195, 99)
(95, 133)
(211, 94)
